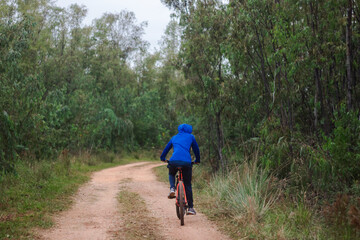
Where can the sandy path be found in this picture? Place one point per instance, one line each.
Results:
(94, 214)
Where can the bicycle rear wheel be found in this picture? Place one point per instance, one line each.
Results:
(181, 202)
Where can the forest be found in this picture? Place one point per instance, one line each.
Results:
(273, 85)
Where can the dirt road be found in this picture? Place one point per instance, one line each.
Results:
(94, 214)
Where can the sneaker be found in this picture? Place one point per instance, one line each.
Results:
(172, 193)
(191, 211)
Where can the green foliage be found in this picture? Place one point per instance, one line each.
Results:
(343, 145)
(112, 130)
(65, 86)
(277, 72)
(7, 143)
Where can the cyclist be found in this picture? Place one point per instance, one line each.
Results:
(182, 142)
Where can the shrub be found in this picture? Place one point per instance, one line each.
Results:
(343, 145)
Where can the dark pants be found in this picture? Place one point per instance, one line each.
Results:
(187, 174)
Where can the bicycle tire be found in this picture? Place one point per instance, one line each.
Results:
(181, 202)
(177, 208)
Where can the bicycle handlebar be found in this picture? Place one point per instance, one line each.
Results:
(192, 163)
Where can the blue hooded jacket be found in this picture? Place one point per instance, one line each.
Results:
(182, 143)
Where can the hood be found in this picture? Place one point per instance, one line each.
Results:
(185, 128)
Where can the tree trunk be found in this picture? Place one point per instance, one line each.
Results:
(220, 141)
(262, 57)
(349, 56)
(318, 97)
(211, 142)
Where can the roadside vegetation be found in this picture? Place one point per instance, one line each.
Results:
(40, 189)
(249, 203)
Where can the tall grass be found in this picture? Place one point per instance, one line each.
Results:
(247, 192)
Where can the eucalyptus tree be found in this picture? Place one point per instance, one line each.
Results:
(63, 83)
(14, 41)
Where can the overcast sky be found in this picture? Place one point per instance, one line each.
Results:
(152, 11)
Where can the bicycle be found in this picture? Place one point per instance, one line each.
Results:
(181, 204)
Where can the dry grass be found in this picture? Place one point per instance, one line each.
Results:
(137, 223)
